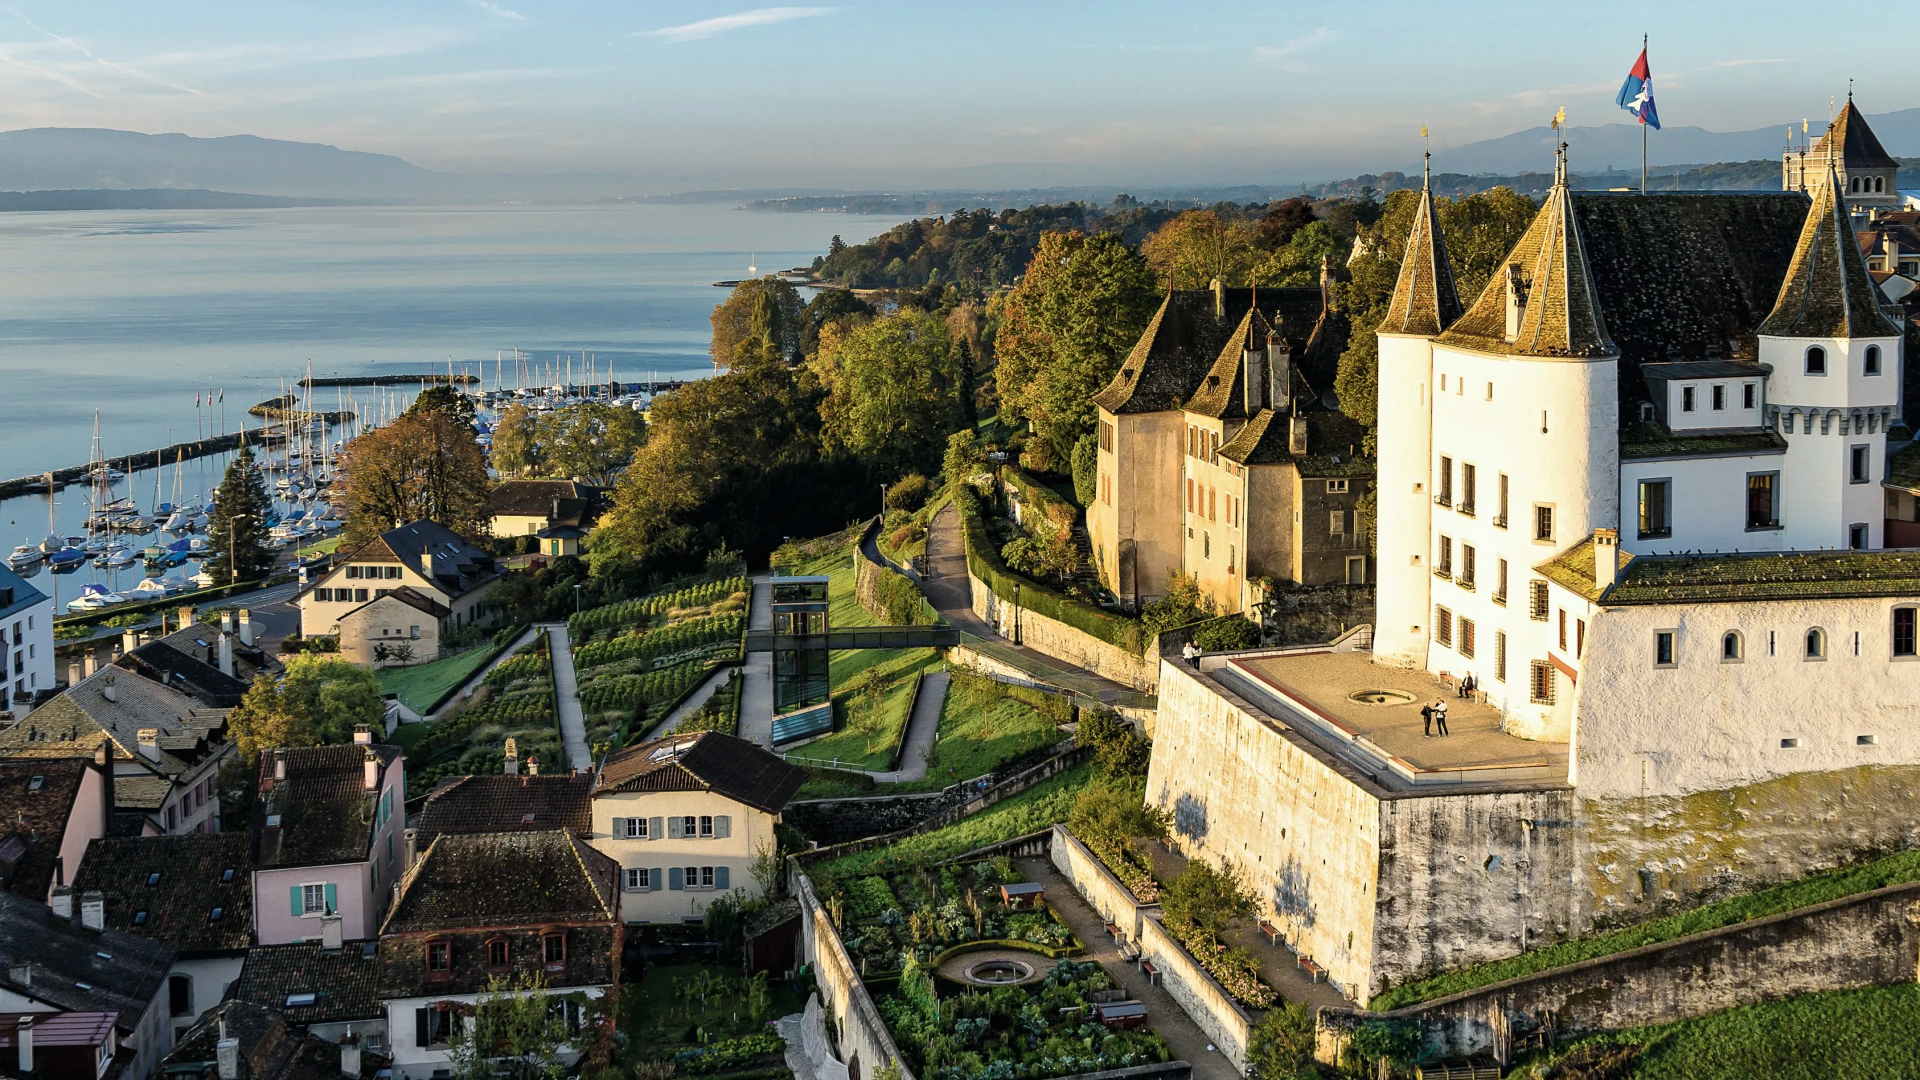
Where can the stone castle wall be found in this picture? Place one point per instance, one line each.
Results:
(1057, 639)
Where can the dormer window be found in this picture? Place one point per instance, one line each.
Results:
(1816, 360)
(153, 879)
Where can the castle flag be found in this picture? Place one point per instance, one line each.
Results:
(1636, 94)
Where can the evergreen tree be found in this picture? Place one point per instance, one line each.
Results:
(237, 528)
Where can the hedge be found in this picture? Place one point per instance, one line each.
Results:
(887, 594)
(983, 560)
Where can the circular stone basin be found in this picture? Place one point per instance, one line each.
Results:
(998, 972)
(1381, 697)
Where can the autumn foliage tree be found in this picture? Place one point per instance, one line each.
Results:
(895, 388)
(317, 702)
(761, 319)
(1198, 246)
(424, 464)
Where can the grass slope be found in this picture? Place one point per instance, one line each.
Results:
(1819, 888)
(867, 736)
(979, 730)
(1030, 811)
(421, 685)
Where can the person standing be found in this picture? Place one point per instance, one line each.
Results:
(1191, 653)
(1426, 721)
(1440, 716)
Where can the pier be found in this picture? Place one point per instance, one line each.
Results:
(264, 438)
(385, 380)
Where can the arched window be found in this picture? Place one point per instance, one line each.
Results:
(1816, 644)
(497, 953)
(1853, 183)
(1879, 183)
(1732, 648)
(1816, 360)
(1872, 366)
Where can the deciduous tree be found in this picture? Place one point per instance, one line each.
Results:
(515, 441)
(758, 313)
(317, 702)
(425, 464)
(893, 394)
(1199, 246)
(590, 442)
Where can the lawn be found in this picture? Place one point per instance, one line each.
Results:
(980, 728)
(1030, 811)
(1817, 889)
(837, 566)
(325, 547)
(419, 686)
(871, 721)
(1842, 1035)
(406, 735)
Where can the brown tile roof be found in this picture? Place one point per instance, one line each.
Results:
(706, 761)
(1741, 576)
(345, 982)
(1650, 439)
(78, 969)
(534, 498)
(191, 876)
(484, 880)
(591, 949)
(1826, 291)
(269, 1048)
(1221, 393)
(1572, 569)
(73, 722)
(325, 813)
(1184, 338)
(495, 803)
(1333, 441)
(37, 798)
(411, 597)
(1859, 147)
(458, 567)
(1424, 300)
(1563, 313)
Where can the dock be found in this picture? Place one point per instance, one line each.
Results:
(385, 380)
(264, 438)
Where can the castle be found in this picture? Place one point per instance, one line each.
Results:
(1638, 490)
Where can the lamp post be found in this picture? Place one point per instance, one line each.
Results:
(233, 570)
(576, 599)
(1016, 613)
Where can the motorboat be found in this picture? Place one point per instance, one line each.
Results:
(116, 557)
(24, 557)
(94, 596)
(66, 560)
(177, 584)
(97, 544)
(204, 579)
(52, 544)
(150, 589)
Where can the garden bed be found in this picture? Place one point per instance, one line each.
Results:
(1034, 809)
(637, 660)
(720, 712)
(515, 700)
(704, 1020)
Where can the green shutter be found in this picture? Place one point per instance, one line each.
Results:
(675, 877)
(294, 892)
(722, 826)
(656, 828)
(653, 879)
(720, 877)
(333, 900)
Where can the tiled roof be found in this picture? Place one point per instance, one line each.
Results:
(1903, 468)
(269, 1048)
(79, 969)
(1424, 300)
(496, 803)
(484, 880)
(1826, 291)
(1859, 147)
(145, 793)
(1563, 315)
(1704, 369)
(706, 761)
(1222, 393)
(1650, 439)
(458, 567)
(1333, 442)
(324, 808)
(411, 597)
(1751, 576)
(534, 498)
(1184, 338)
(33, 820)
(191, 876)
(344, 982)
(1572, 569)
(590, 950)
(171, 667)
(73, 722)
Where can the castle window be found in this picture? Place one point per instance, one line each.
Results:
(1500, 583)
(1719, 398)
(1853, 183)
(1761, 510)
(1665, 648)
(1500, 518)
(1469, 480)
(1732, 648)
(1466, 638)
(1445, 483)
(1443, 626)
(1866, 740)
(1106, 436)
(1871, 365)
(1860, 461)
(1500, 655)
(497, 953)
(1537, 600)
(1816, 360)
(1563, 629)
(1540, 682)
(1747, 396)
(1656, 508)
(1816, 644)
(1542, 523)
(1903, 632)
(1336, 487)
(1789, 744)
(1466, 566)
(1443, 561)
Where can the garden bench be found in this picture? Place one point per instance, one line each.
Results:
(1314, 971)
(1271, 931)
(1152, 973)
(1113, 931)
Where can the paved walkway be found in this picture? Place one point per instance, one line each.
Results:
(922, 727)
(573, 722)
(756, 691)
(473, 681)
(1164, 1014)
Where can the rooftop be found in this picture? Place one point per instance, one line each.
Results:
(707, 761)
(495, 803)
(1826, 291)
(343, 983)
(488, 880)
(322, 811)
(77, 969)
(17, 594)
(36, 800)
(458, 567)
(1184, 339)
(1651, 439)
(118, 704)
(1311, 694)
(1750, 576)
(535, 498)
(191, 893)
(269, 1048)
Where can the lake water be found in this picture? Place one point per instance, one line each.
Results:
(134, 313)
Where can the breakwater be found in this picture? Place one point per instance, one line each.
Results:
(146, 459)
(386, 380)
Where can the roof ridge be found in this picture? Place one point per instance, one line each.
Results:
(1826, 290)
(593, 881)
(1425, 300)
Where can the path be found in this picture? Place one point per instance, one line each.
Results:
(1278, 965)
(691, 705)
(951, 592)
(566, 685)
(922, 727)
(756, 688)
(473, 681)
(1164, 1014)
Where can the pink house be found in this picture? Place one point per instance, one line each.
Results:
(327, 825)
(50, 810)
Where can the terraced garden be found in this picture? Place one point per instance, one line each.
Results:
(514, 700)
(638, 659)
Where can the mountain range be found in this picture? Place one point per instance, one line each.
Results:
(1617, 146)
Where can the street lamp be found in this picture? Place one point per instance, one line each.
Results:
(233, 570)
(1016, 613)
(576, 599)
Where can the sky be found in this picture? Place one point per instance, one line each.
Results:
(694, 93)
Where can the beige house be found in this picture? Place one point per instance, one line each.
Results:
(445, 581)
(531, 507)
(685, 817)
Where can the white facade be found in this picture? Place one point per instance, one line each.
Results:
(206, 980)
(414, 1060)
(26, 643)
(1833, 399)
(1405, 509)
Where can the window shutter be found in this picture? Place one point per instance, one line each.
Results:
(722, 826)
(421, 1036)
(720, 877)
(653, 879)
(654, 827)
(675, 877)
(333, 899)
(294, 892)
(673, 828)
(619, 828)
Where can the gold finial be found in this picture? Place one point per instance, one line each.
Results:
(1426, 159)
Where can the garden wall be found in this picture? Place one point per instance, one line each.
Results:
(1205, 1000)
(1063, 642)
(884, 592)
(1095, 883)
(864, 1041)
(1871, 939)
(815, 1044)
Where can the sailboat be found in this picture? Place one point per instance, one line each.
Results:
(753, 270)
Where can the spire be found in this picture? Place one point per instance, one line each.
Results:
(1424, 301)
(1852, 142)
(1827, 291)
(1562, 314)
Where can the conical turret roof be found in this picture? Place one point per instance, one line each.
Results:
(1424, 301)
(1827, 291)
(1855, 146)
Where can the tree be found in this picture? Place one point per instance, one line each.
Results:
(1199, 246)
(516, 444)
(590, 442)
(1111, 815)
(1282, 219)
(514, 1031)
(963, 457)
(446, 398)
(1065, 328)
(425, 464)
(1281, 1047)
(893, 395)
(1203, 899)
(317, 702)
(759, 320)
(237, 529)
(830, 307)
(1086, 469)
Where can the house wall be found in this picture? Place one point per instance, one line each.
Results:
(210, 977)
(88, 821)
(1707, 504)
(414, 1062)
(1215, 552)
(1320, 553)
(26, 653)
(751, 832)
(372, 1032)
(388, 621)
(320, 617)
(273, 918)
(1819, 501)
(507, 525)
(1148, 499)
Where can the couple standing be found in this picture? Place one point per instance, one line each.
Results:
(1434, 715)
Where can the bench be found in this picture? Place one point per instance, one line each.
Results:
(1113, 931)
(1271, 931)
(1152, 973)
(1314, 971)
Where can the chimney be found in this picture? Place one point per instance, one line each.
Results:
(226, 622)
(533, 766)
(107, 689)
(1516, 301)
(150, 743)
(1251, 378)
(25, 1029)
(246, 628)
(91, 662)
(426, 562)
(513, 757)
(350, 1055)
(362, 734)
(1280, 361)
(1297, 435)
(62, 902)
(330, 935)
(1326, 283)
(226, 654)
(186, 616)
(370, 771)
(129, 641)
(1606, 557)
(412, 838)
(279, 765)
(1219, 299)
(1890, 247)
(93, 910)
(227, 1050)
(73, 673)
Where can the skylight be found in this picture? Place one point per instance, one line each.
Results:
(88, 987)
(294, 1001)
(139, 918)
(226, 875)
(107, 956)
(36, 783)
(214, 915)
(526, 819)
(153, 879)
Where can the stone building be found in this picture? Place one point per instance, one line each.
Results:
(431, 578)
(328, 843)
(1865, 171)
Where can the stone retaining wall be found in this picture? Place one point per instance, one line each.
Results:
(1063, 642)
(864, 1042)
(1096, 884)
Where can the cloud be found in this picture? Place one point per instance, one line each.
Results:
(104, 62)
(707, 28)
(495, 9)
(1747, 62)
(1296, 46)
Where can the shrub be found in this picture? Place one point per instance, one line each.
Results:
(909, 494)
(1226, 634)
(1120, 751)
(695, 638)
(632, 613)
(983, 559)
(1086, 469)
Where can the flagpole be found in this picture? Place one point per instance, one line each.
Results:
(1643, 131)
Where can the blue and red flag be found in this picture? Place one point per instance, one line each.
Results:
(1636, 94)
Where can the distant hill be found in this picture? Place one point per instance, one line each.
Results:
(151, 199)
(1617, 146)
